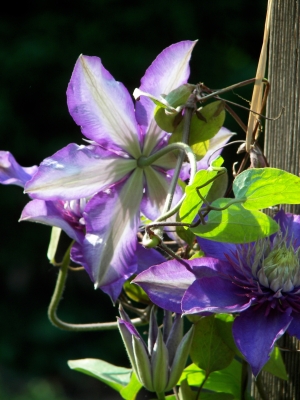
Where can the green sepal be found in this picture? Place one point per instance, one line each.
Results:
(143, 366)
(115, 377)
(235, 224)
(208, 350)
(180, 358)
(159, 364)
(127, 340)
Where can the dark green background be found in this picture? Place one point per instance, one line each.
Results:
(40, 42)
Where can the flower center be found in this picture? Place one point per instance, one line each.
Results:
(280, 270)
(142, 162)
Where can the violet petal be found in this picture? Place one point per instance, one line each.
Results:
(77, 171)
(102, 107)
(255, 332)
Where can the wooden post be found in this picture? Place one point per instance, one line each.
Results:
(282, 149)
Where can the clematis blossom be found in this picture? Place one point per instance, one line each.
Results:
(64, 214)
(259, 281)
(110, 169)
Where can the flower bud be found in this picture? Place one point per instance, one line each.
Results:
(159, 366)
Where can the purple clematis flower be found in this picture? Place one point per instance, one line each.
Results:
(64, 214)
(109, 169)
(67, 215)
(259, 281)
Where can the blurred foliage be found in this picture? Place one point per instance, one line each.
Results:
(41, 41)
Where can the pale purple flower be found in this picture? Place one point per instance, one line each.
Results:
(64, 214)
(259, 281)
(107, 169)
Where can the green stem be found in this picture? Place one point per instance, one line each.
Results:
(56, 298)
(144, 161)
(160, 396)
(200, 387)
(167, 212)
(185, 137)
(233, 201)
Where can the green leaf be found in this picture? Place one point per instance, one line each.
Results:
(235, 224)
(200, 149)
(113, 376)
(266, 187)
(204, 126)
(224, 324)
(167, 120)
(208, 125)
(185, 234)
(193, 202)
(218, 188)
(180, 95)
(130, 391)
(185, 392)
(208, 350)
(135, 293)
(198, 254)
(216, 396)
(228, 380)
(276, 365)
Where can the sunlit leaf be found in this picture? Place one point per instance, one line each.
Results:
(235, 224)
(266, 187)
(130, 391)
(114, 376)
(204, 180)
(228, 380)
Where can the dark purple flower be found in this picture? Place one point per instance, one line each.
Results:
(259, 281)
